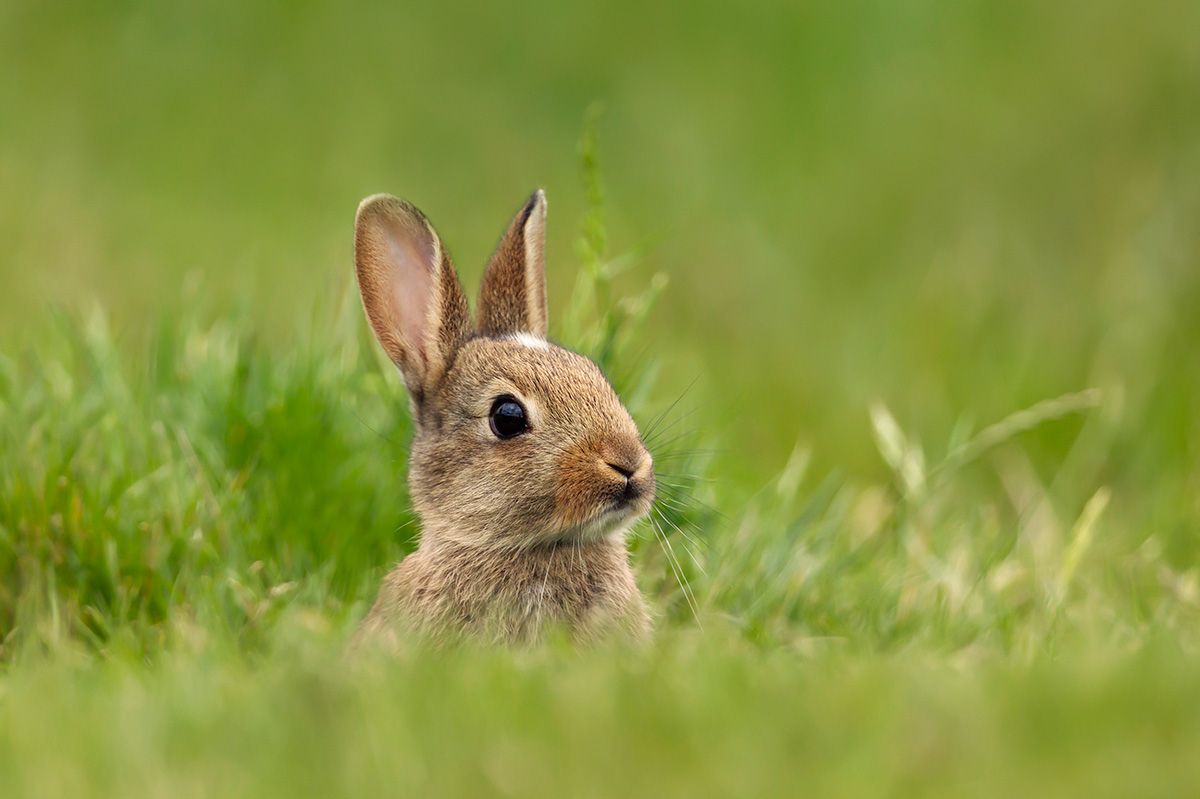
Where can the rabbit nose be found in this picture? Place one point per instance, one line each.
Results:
(632, 489)
(633, 463)
(637, 472)
(624, 471)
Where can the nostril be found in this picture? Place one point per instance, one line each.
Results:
(624, 471)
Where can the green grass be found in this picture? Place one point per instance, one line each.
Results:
(693, 719)
(192, 526)
(908, 295)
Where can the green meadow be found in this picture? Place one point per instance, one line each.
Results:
(905, 296)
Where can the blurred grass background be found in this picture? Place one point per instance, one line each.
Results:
(959, 208)
(887, 228)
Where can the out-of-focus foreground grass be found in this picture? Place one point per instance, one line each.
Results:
(931, 503)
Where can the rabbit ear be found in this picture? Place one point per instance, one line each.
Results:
(512, 298)
(410, 291)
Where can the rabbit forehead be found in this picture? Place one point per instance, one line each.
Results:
(563, 384)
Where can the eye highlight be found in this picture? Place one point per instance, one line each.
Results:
(507, 418)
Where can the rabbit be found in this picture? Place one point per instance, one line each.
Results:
(525, 470)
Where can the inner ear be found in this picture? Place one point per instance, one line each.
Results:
(512, 296)
(410, 290)
(412, 255)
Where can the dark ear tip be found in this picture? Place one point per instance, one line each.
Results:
(536, 204)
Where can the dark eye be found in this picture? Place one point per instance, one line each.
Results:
(507, 418)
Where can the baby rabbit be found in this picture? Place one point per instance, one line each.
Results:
(525, 470)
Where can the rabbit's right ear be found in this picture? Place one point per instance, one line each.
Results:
(410, 291)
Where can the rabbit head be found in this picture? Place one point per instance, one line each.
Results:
(518, 442)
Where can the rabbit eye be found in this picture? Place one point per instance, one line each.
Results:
(507, 418)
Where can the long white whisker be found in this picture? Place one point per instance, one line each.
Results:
(691, 554)
(687, 592)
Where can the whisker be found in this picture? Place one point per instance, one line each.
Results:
(672, 502)
(694, 478)
(654, 444)
(691, 540)
(380, 435)
(687, 592)
(656, 440)
(688, 453)
(681, 495)
(681, 521)
(658, 419)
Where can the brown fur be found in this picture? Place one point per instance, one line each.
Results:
(513, 292)
(523, 535)
(511, 596)
(398, 257)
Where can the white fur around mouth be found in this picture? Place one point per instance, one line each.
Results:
(610, 524)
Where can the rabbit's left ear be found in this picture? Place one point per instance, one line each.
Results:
(512, 298)
(410, 292)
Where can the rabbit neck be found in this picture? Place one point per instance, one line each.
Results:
(519, 594)
(551, 561)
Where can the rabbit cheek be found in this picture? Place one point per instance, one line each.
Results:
(583, 488)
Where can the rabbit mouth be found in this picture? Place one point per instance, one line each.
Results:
(610, 523)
